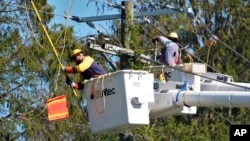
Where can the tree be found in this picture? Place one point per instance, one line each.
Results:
(30, 71)
(19, 75)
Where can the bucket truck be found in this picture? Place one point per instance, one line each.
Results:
(128, 99)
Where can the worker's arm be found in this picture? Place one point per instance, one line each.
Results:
(70, 69)
(78, 85)
(75, 85)
(86, 63)
(155, 40)
(160, 39)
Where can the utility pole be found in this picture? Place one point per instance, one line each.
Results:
(127, 16)
(127, 23)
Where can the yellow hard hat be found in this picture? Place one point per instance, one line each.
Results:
(75, 52)
(173, 35)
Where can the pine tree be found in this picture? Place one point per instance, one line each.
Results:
(31, 73)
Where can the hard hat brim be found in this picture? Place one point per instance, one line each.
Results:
(74, 55)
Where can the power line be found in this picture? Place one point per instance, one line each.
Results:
(109, 4)
(217, 39)
(15, 5)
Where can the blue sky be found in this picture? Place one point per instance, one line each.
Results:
(77, 8)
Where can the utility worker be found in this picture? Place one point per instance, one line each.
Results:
(170, 50)
(86, 66)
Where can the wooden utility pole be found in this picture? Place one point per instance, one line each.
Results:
(127, 17)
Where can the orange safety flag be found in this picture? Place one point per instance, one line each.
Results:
(57, 108)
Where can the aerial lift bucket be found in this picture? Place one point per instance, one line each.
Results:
(119, 101)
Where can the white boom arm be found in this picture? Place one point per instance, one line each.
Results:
(212, 98)
(220, 86)
(219, 90)
(173, 102)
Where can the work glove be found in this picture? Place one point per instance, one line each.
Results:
(63, 69)
(69, 82)
(75, 18)
(92, 96)
(154, 40)
(68, 69)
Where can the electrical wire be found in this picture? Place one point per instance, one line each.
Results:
(23, 84)
(220, 41)
(15, 5)
(223, 117)
(110, 4)
(201, 76)
(102, 94)
(153, 25)
(64, 40)
(50, 41)
(46, 32)
(199, 59)
(245, 59)
(36, 11)
(31, 28)
(206, 28)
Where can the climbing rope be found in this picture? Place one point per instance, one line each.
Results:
(23, 116)
(50, 41)
(102, 94)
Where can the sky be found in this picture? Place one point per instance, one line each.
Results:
(81, 9)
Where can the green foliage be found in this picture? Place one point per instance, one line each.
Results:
(30, 71)
(135, 61)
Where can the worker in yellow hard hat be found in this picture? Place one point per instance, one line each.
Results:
(173, 35)
(86, 66)
(170, 50)
(76, 52)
